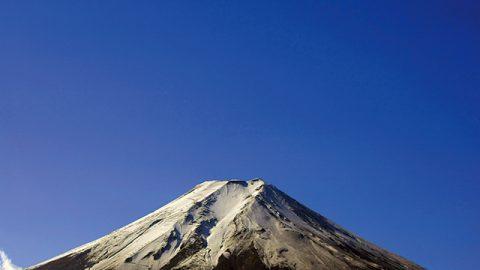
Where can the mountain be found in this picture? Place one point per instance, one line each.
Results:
(229, 225)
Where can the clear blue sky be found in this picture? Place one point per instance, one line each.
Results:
(368, 112)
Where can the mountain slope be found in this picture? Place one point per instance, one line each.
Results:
(229, 225)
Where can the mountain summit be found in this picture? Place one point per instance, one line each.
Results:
(229, 225)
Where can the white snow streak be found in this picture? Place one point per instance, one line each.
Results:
(6, 263)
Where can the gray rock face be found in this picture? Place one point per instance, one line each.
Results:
(230, 225)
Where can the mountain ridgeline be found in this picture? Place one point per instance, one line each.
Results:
(230, 225)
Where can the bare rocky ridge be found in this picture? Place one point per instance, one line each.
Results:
(229, 225)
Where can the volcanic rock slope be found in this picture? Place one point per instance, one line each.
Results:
(229, 225)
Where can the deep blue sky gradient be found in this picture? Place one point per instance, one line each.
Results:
(366, 111)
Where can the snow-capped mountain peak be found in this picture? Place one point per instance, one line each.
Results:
(229, 225)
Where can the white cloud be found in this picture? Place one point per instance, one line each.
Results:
(6, 263)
